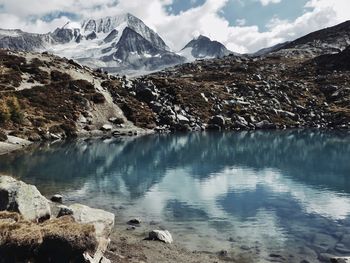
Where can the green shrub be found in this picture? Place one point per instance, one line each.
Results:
(10, 110)
(5, 113)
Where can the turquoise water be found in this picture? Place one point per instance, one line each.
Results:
(267, 196)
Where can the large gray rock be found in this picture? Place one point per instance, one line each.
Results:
(17, 196)
(182, 119)
(161, 235)
(103, 222)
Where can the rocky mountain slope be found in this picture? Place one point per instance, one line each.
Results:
(204, 48)
(324, 41)
(244, 94)
(46, 97)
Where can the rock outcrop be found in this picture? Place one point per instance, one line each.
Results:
(78, 233)
(102, 221)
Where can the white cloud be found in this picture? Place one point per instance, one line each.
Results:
(177, 30)
(267, 2)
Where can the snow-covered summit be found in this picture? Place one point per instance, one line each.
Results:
(120, 43)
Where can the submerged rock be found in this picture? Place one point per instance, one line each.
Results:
(161, 235)
(17, 196)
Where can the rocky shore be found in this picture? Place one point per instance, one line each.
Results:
(35, 229)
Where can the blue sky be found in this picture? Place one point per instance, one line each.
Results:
(242, 25)
(250, 11)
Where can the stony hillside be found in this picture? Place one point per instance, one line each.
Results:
(46, 97)
(325, 41)
(241, 94)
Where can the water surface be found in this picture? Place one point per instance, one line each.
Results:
(266, 196)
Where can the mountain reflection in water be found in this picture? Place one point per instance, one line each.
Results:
(286, 192)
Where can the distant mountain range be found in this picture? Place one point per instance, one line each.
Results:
(125, 44)
(119, 44)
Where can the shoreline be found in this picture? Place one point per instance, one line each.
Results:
(13, 143)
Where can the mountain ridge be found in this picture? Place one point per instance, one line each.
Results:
(109, 43)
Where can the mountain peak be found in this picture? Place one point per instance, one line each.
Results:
(203, 47)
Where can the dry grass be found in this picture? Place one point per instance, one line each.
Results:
(60, 240)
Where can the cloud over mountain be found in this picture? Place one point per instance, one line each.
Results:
(205, 18)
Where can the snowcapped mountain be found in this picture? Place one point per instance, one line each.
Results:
(121, 43)
(204, 48)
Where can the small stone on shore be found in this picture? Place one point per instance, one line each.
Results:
(161, 235)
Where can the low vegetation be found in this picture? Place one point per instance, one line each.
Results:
(56, 240)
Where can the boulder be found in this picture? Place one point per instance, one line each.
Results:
(217, 120)
(107, 127)
(102, 221)
(17, 196)
(182, 119)
(161, 235)
(147, 95)
(265, 125)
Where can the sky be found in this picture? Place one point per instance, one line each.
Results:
(244, 26)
